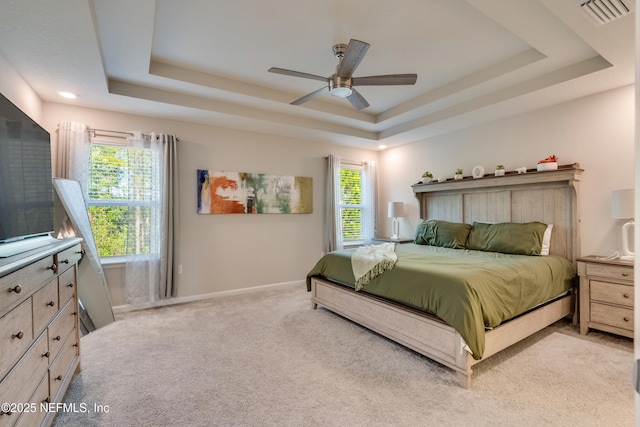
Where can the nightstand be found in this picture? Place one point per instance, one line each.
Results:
(377, 240)
(606, 295)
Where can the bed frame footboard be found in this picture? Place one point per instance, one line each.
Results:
(426, 333)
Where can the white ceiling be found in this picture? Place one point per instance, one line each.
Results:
(206, 61)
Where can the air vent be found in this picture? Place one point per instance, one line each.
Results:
(602, 12)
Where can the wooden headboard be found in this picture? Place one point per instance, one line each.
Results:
(549, 197)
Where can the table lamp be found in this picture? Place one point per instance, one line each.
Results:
(622, 202)
(396, 209)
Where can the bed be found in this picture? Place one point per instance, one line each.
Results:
(442, 334)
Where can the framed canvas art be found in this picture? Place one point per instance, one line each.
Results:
(221, 192)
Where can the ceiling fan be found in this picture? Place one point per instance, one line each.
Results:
(342, 83)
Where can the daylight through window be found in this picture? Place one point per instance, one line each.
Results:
(120, 199)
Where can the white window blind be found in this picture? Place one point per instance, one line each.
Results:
(351, 203)
(120, 197)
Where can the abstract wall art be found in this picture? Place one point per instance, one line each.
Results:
(221, 192)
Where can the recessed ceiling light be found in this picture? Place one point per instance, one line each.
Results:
(382, 146)
(67, 95)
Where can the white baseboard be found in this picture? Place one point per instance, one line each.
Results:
(191, 298)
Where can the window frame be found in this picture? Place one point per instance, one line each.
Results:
(347, 165)
(115, 202)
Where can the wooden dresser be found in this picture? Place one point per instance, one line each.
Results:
(39, 338)
(606, 295)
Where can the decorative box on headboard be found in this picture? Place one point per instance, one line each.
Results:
(549, 197)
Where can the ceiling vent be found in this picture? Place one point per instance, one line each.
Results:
(602, 12)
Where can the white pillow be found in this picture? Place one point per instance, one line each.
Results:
(546, 240)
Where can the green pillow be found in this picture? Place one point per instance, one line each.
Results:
(442, 233)
(507, 237)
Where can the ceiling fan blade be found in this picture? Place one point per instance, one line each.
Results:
(352, 57)
(357, 100)
(390, 79)
(297, 74)
(310, 96)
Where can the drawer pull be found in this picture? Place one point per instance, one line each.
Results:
(53, 267)
(75, 344)
(626, 295)
(64, 261)
(58, 378)
(56, 338)
(17, 289)
(19, 335)
(70, 285)
(51, 303)
(46, 354)
(624, 274)
(626, 319)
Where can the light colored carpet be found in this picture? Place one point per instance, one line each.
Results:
(268, 359)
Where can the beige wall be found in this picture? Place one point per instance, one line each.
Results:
(228, 252)
(13, 87)
(595, 131)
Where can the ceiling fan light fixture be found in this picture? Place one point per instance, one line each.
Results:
(339, 86)
(341, 92)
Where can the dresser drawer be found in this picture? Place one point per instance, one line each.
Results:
(612, 293)
(15, 286)
(40, 396)
(68, 257)
(60, 366)
(16, 335)
(618, 317)
(24, 378)
(618, 272)
(67, 285)
(45, 305)
(61, 326)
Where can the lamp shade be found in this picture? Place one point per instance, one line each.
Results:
(396, 209)
(622, 204)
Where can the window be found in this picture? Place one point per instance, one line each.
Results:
(120, 198)
(351, 203)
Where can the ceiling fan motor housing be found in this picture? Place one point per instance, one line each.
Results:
(339, 86)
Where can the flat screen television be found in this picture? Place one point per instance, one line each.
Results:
(26, 188)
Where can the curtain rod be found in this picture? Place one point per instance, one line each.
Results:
(348, 162)
(120, 134)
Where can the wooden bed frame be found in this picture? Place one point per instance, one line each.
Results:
(549, 197)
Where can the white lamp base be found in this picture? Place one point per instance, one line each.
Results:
(395, 228)
(627, 255)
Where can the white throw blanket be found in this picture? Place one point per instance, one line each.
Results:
(370, 261)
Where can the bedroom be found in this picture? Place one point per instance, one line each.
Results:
(282, 248)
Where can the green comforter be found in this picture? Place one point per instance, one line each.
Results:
(470, 290)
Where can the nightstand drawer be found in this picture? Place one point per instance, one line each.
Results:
(612, 293)
(614, 316)
(610, 271)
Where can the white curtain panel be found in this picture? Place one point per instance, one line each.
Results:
(151, 277)
(369, 191)
(333, 223)
(74, 145)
